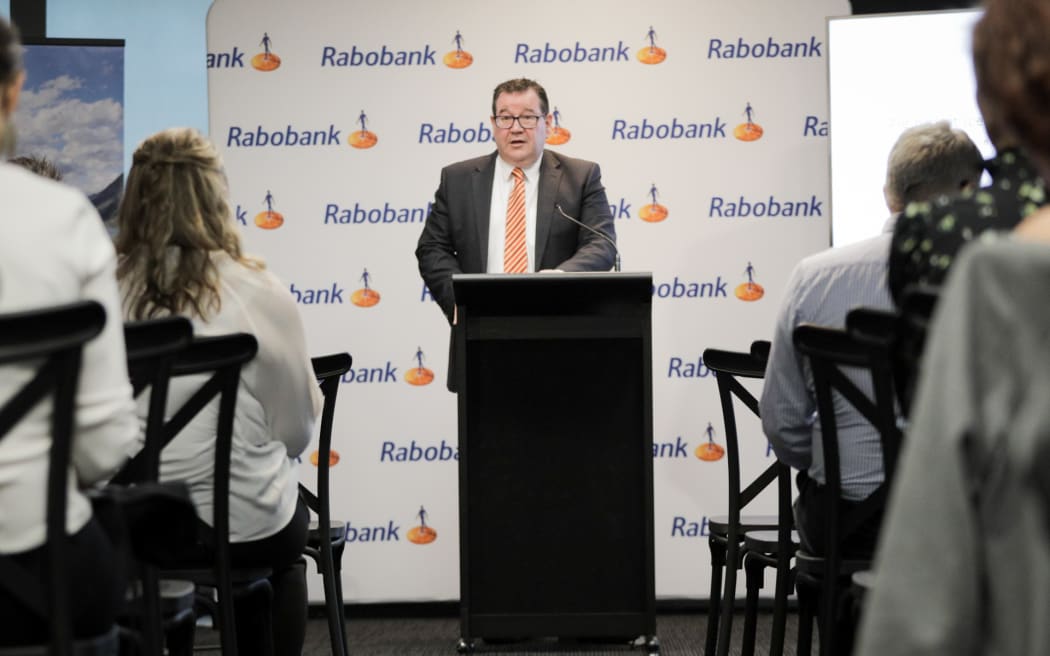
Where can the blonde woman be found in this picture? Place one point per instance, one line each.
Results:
(180, 254)
(55, 250)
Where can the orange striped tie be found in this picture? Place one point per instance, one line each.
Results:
(515, 256)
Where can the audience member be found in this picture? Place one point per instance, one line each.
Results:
(55, 251)
(38, 164)
(930, 233)
(181, 255)
(926, 160)
(963, 565)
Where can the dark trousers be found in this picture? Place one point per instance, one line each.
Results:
(96, 583)
(283, 553)
(811, 522)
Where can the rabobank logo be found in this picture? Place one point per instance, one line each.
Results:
(415, 452)
(333, 458)
(260, 136)
(652, 53)
(385, 373)
(365, 297)
(653, 211)
(750, 290)
(679, 288)
(389, 532)
(574, 53)
(767, 48)
(651, 129)
(269, 219)
(419, 375)
(324, 295)
(813, 126)
(267, 60)
(458, 58)
(422, 533)
(710, 451)
(383, 57)
(363, 138)
(688, 367)
(748, 130)
(685, 527)
(454, 133)
(770, 207)
(384, 214)
(559, 134)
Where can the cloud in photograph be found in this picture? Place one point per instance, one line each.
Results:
(71, 111)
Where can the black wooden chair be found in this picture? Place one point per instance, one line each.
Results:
(830, 351)
(157, 607)
(220, 359)
(726, 532)
(51, 342)
(326, 538)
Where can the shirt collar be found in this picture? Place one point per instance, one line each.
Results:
(504, 170)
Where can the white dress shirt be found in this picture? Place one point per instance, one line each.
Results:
(822, 289)
(55, 250)
(502, 185)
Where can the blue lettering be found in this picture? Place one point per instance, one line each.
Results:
(683, 528)
(679, 368)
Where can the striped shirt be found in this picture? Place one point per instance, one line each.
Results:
(823, 288)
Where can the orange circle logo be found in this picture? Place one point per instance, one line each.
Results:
(421, 535)
(333, 458)
(749, 291)
(748, 132)
(558, 136)
(269, 220)
(364, 297)
(419, 376)
(458, 59)
(653, 213)
(710, 452)
(266, 62)
(362, 139)
(652, 55)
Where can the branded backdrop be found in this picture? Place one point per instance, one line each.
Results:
(334, 120)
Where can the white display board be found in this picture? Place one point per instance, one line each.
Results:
(886, 73)
(334, 120)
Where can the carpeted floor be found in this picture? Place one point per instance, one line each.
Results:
(680, 634)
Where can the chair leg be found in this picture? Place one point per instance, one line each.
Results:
(725, 623)
(718, 563)
(807, 609)
(785, 582)
(754, 571)
(332, 601)
(337, 574)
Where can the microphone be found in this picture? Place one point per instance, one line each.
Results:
(616, 251)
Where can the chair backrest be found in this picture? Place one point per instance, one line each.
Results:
(152, 346)
(52, 341)
(829, 351)
(728, 367)
(221, 358)
(329, 370)
(917, 305)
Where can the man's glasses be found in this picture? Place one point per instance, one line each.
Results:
(526, 121)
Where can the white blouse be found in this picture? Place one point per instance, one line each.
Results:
(278, 401)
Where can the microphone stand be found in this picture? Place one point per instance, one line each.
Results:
(616, 251)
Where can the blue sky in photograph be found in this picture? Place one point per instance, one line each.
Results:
(72, 111)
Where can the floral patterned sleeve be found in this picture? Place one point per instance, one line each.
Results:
(910, 234)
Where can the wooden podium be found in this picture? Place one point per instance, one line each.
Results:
(554, 373)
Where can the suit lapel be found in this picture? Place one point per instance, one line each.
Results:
(550, 176)
(482, 184)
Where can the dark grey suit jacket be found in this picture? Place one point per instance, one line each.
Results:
(455, 238)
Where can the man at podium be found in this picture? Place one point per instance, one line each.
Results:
(515, 210)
